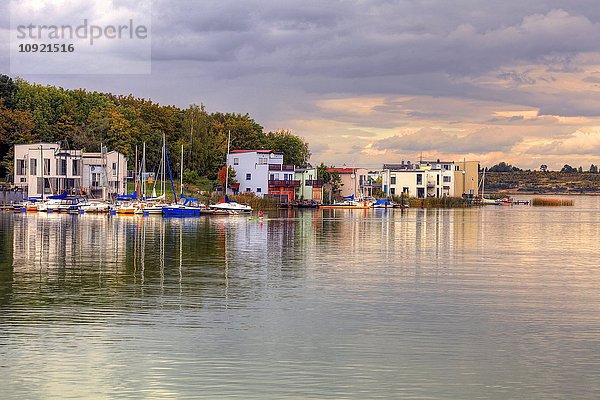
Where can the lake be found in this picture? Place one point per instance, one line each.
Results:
(487, 303)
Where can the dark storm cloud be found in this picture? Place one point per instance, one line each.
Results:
(433, 48)
(365, 39)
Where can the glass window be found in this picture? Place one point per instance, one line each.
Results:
(114, 169)
(75, 167)
(21, 167)
(262, 161)
(419, 179)
(248, 190)
(447, 179)
(392, 191)
(393, 180)
(258, 190)
(33, 166)
(248, 177)
(46, 166)
(236, 161)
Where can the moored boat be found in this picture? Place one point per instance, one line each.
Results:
(71, 204)
(348, 203)
(128, 208)
(96, 206)
(232, 206)
(189, 208)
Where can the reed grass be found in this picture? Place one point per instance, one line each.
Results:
(438, 202)
(547, 202)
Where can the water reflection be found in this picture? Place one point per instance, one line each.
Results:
(458, 303)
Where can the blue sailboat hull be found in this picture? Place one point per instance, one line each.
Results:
(181, 211)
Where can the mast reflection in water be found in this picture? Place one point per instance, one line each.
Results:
(497, 303)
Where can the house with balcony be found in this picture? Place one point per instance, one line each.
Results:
(430, 179)
(311, 188)
(262, 172)
(42, 169)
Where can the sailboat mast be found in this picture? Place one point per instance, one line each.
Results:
(164, 166)
(136, 170)
(43, 165)
(483, 184)
(227, 161)
(144, 170)
(181, 174)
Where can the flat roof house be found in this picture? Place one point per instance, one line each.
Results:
(42, 169)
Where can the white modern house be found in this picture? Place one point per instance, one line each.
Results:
(42, 169)
(431, 178)
(263, 172)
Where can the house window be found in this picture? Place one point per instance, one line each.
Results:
(272, 177)
(447, 179)
(419, 179)
(447, 188)
(262, 161)
(46, 166)
(33, 166)
(438, 179)
(114, 169)
(248, 177)
(62, 167)
(75, 167)
(420, 193)
(393, 180)
(405, 190)
(21, 167)
(258, 190)
(95, 180)
(392, 191)
(236, 161)
(248, 190)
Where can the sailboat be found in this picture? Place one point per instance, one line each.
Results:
(189, 206)
(229, 205)
(153, 204)
(505, 201)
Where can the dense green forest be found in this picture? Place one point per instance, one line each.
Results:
(80, 119)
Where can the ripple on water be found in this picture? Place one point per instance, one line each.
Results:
(479, 303)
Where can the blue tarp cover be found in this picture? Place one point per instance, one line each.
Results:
(125, 197)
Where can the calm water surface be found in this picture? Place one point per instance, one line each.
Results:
(492, 303)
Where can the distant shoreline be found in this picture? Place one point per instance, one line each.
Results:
(518, 193)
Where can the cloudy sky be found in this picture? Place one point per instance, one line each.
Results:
(367, 82)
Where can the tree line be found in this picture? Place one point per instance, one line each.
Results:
(80, 119)
(505, 167)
